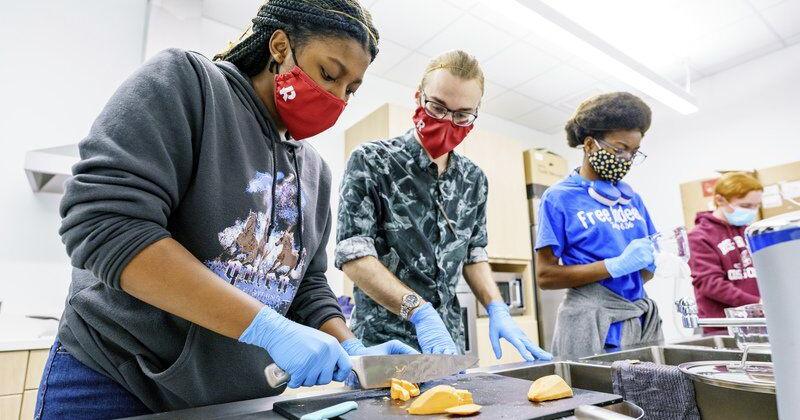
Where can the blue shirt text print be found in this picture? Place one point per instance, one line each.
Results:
(619, 217)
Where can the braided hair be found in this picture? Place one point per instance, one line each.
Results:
(301, 20)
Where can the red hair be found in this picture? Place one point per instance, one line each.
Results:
(737, 185)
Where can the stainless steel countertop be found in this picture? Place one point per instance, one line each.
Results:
(262, 408)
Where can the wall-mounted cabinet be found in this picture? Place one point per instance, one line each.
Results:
(500, 158)
(48, 169)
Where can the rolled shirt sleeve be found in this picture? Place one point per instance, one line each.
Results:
(476, 251)
(357, 219)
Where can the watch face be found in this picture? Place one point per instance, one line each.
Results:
(410, 300)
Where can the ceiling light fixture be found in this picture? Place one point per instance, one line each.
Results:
(555, 27)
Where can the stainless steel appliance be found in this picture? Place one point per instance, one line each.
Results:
(775, 246)
(542, 169)
(469, 317)
(510, 285)
(547, 302)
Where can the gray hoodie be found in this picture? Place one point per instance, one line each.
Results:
(186, 149)
(586, 314)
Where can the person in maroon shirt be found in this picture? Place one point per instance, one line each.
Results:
(723, 275)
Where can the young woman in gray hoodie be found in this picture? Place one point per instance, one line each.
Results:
(197, 221)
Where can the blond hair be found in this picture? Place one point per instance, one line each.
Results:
(459, 63)
(736, 185)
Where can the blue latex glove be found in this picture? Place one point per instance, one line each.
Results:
(651, 268)
(432, 335)
(309, 356)
(501, 325)
(638, 255)
(355, 347)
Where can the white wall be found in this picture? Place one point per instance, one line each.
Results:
(60, 60)
(180, 24)
(749, 118)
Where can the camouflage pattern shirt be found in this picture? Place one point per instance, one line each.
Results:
(422, 226)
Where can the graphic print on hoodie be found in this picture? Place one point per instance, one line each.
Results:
(262, 254)
(723, 275)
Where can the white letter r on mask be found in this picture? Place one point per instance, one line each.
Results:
(288, 93)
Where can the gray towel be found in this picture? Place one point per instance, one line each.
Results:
(663, 392)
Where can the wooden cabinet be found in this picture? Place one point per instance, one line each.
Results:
(36, 362)
(28, 404)
(10, 406)
(498, 156)
(384, 123)
(20, 374)
(13, 366)
(508, 222)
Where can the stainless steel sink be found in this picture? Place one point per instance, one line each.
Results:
(580, 375)
(675, 355)
(594, 373)
(713, 341)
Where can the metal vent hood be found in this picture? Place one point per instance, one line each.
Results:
(48, 169)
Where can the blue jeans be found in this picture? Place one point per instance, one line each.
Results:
(71, 390)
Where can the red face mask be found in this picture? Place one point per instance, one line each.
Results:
(438, 137)
(305, 108)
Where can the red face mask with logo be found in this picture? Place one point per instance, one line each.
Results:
(438, 137)
(305, 108)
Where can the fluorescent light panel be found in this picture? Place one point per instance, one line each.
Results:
(554, 26)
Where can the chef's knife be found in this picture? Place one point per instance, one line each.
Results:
(377, 371)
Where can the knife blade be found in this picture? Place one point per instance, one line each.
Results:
(377, 371)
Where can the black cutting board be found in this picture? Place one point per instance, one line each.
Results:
(501, 397)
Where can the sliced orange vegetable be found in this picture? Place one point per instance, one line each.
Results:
(435, 400)
(414, 391)
(399, 393)
(463, 410)
(464, 396)
(547, 388)
(411, 388)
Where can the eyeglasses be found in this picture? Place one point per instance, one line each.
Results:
(636, 157)
(440, 112)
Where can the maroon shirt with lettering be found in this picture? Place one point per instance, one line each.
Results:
(723, 275)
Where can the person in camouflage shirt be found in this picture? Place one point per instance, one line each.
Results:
(412, 220)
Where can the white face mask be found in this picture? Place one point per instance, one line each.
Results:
(740, 216)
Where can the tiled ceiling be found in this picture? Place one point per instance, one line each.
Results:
(702, 37)
(536, 83)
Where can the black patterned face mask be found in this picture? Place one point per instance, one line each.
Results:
(608, 166)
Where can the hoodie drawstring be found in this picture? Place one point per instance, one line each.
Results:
(298, 185)
(272, 192)
(299, 204)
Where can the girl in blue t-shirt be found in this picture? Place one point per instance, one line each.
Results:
(593, 233)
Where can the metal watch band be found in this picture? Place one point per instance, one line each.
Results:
(406, 307)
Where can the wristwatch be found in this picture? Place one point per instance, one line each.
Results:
(410, 302)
